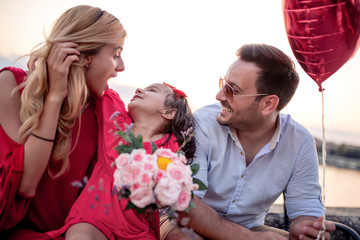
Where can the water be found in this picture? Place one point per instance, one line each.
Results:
(337, 136)
(342, 187)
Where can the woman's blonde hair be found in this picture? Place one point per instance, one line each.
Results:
(91, 28)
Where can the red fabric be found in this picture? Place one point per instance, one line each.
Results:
(27, 234)
(19, 74)
(29, 218)
(11, 168)
(96, 204)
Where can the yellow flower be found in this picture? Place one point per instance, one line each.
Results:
(163, 163)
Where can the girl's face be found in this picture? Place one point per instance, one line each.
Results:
(150, 99)
(103, 66)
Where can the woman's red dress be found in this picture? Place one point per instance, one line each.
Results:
(29, 218)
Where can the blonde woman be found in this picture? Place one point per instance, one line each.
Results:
(48, 132)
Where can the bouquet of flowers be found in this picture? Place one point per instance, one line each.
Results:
(153, 181)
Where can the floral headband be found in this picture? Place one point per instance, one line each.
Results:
(178, 92)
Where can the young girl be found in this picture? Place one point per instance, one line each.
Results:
(159, 113)
(48, 138)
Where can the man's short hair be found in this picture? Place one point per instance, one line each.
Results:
(277, 74)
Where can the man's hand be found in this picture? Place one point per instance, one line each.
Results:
(304, 228)
(206, 222)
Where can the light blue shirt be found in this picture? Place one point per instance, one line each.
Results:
(243, 194)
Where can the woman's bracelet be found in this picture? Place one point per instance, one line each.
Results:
(44, 139)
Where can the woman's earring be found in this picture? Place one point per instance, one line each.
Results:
(87, 65)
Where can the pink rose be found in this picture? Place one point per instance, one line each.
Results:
(145, 178)
(122, 160)
(164, 152)
(138, 155)
(159, 174)
(117, 180)
(183, 200)
(142, 195)
(176, 171)
(150, 158)
(188, 181)
(135, 186)
(130, 173)
(150, 167)
(167, 191)
(180, 158)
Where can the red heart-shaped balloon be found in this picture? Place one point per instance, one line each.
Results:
(323, 34)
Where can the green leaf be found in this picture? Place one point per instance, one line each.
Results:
(130, 205)
(125, 137)
(153, 147)
(138, 143)
(123, 148)
(131, 136)
(181, 152)
(139, 138)
(150, 207)
(194, 168)
(192, 205)
(171, 214)
(200, 183)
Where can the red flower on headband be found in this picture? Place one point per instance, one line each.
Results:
(176, 91)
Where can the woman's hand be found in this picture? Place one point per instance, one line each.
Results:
(58, 63)
(37, 152)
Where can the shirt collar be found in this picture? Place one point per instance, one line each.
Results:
(233, 135)
(275, 138)
(273, 141)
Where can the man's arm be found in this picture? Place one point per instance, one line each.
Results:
(306, 226)
(206, 221)
(209, 224)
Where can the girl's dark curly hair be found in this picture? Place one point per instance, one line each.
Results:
(182, 122)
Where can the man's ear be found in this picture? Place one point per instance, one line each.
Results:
(169, 114)
(269, 104)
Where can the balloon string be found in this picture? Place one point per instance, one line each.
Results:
(324, 167)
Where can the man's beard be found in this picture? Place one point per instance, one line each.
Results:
(222, 122)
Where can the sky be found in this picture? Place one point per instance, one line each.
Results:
(190, 44)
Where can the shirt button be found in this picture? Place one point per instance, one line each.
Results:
(241, 153)
(233, 201)
(242, 176)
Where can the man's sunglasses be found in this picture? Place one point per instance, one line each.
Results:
(229, 91)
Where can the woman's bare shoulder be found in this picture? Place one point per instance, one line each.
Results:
(10, 104)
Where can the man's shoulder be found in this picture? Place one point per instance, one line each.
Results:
(290, 125)
(206, 123)
(208, 111)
